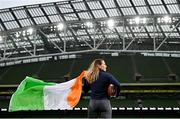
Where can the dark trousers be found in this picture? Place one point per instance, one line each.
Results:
(99, 109)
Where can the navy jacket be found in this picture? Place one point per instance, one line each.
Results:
(99, 87)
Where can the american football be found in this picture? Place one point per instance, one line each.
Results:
(111, 90)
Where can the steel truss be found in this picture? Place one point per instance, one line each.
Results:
(75, 39)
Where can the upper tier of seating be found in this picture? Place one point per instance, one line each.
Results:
(124, 67)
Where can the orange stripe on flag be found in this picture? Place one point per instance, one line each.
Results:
(76, 90)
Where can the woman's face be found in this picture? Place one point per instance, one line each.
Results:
(103, 65)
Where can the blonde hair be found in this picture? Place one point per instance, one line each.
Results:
(93, 71)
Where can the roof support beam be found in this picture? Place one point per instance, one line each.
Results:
(124, 25)
(167, 36)
(47, 44)
(57, 46)
(15, 17)
(178, 3)
(85, 42)
(62, 16)
(89, 10)
(138, 14)
(170, 13)
(22, 46)
(31, 20)
(45, 13)
(154, 23)
(79, 19)
(109, 17)
(97, 46)
(30, 41)
(8, 35)
(70, 29)
(2, 24)
(133, 39)
(94, 20)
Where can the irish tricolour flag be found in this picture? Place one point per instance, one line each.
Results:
(34, 94)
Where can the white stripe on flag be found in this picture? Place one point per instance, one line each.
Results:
(55, 97)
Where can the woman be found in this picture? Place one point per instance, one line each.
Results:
(98, 80)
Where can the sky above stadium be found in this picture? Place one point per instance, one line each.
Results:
(15, 3)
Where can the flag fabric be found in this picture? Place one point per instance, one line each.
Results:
(34, 94)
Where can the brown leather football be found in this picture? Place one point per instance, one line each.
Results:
(111, 90)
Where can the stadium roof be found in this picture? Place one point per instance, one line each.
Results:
(11, 3)
(77, 26)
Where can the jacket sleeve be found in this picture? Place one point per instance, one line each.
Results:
(86, 86)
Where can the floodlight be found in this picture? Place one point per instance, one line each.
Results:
(167, 19)
(30, 31)
(17, 34)
(1, 38)
(137, 20)
(60, 26)
(110, 23)
(24, 33)
(89, 24)
(144, 20)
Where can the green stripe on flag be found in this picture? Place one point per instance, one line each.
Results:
(29, 95)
